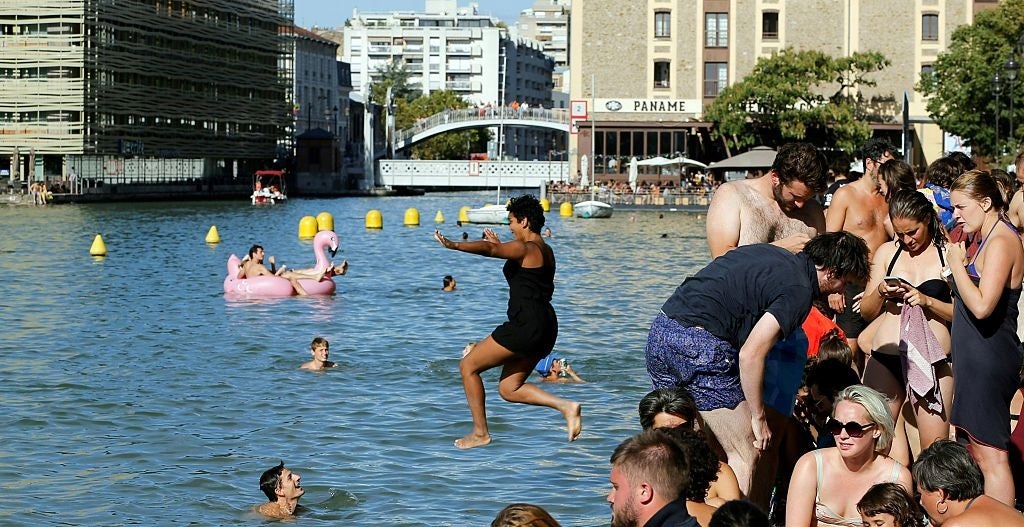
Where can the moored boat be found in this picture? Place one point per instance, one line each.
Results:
(593, 209)
(493, 214)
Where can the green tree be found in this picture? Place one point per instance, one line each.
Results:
(451, 145)
(393, 75)
(793, 94)
(960, 88)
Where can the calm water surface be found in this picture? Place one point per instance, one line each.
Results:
(134, 393)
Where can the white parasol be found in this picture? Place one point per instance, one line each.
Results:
(632, 173)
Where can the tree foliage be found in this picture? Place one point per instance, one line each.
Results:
(962, 99)
(793, 94)
(451, 145)
(393, 75)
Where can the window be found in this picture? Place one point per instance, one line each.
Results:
(930, 26)
(661, 73)
(927, 69)
(716, 30)
(716, 77)
(770, 25)
(662, 24)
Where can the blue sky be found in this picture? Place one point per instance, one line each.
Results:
(330, 13)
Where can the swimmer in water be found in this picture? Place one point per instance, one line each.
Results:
(321, 350)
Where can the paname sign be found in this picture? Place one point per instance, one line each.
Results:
(677, 106)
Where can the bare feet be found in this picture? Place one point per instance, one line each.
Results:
(343, 269)
(574, 420)
(473, 441)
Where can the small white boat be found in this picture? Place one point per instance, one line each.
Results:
(494, 214)
(593, 209)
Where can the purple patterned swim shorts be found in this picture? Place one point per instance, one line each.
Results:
(694, 359)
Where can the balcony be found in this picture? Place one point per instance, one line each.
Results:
(459, 49)
(379, 49)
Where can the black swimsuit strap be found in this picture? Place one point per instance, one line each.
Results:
(892, 263)
(899, 249)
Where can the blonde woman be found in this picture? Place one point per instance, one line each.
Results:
(986, 354)
(827, 483)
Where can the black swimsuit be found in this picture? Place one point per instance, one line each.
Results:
(936, 288)
(532, 326)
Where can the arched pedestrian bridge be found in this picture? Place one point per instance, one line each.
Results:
(469, 118)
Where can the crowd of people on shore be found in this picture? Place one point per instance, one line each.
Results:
(849, 355)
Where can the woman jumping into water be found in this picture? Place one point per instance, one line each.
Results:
(529, 335)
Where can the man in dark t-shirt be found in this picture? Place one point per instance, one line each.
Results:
(714, 332)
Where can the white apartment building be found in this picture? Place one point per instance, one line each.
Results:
(547, 22)
(454, 48)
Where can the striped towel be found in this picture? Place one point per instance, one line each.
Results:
(920, 351)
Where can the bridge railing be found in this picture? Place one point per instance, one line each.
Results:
(495, 115)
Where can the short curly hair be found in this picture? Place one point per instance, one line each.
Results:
(527, 207)
(702, 460)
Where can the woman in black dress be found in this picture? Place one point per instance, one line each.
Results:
(986, 353)
(529, 335)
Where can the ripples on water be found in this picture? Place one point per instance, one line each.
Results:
(136, 394)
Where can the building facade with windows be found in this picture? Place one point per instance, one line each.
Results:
(547, 22)
(645, 71)
(143, 91)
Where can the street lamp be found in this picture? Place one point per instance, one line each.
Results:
(997, 90)
(1012, 68)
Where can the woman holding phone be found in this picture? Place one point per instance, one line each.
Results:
(907, 273)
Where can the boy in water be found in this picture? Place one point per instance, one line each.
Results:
(320, 349)
(283, 490)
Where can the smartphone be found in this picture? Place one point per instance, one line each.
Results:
(895, 281)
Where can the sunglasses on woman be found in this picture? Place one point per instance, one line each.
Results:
(853, 428)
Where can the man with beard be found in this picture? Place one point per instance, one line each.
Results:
(648, 473)
(860, 208)
(777, 207)
(714, 333)
(283, 490)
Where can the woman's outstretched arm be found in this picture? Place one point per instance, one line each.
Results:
(490, 246)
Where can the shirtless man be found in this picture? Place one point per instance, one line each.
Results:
(283, 490)
(860, 208)
(253, 266)
(777, 207)
(1016, 209)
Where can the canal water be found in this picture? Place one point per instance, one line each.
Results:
(134, 393)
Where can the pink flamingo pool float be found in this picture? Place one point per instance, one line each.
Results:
(275, 286)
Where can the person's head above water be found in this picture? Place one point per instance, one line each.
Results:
(448, 283)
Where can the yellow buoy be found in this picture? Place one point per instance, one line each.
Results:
(439, 217)
(213, 236)
(565, 209)
(324, 221)
(545, 204)
(412, 218)
(464, 214)
(307, 227)
(98, 247)
(374, 220)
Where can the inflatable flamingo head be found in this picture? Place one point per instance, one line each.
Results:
(327, 240)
